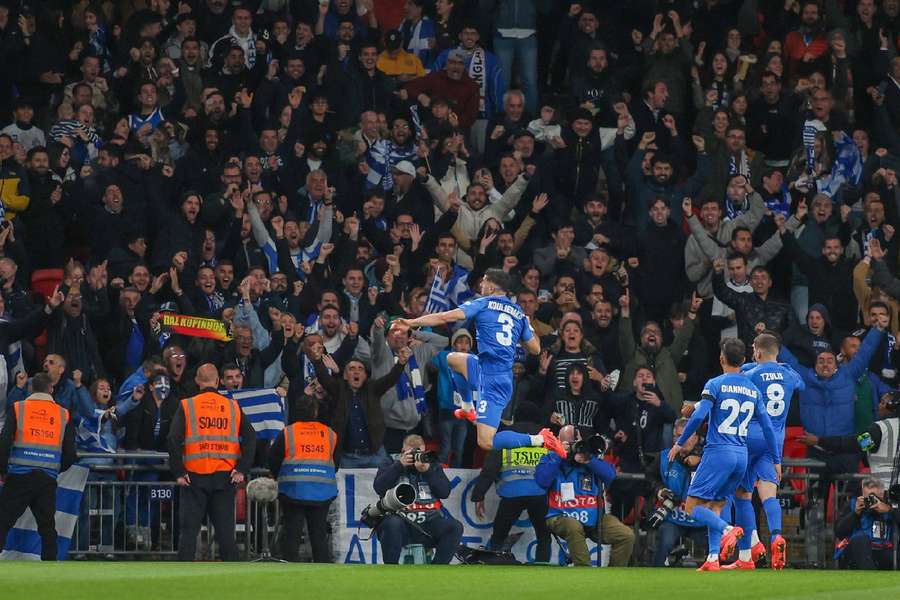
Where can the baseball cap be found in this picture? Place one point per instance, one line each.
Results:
(404, 166)
(393, 39)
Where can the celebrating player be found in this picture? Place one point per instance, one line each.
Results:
(485, 381)
(777, 383)
(731, 401)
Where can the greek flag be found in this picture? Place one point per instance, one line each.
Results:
(90, 436)
(447, 296)
(381, 158)
(264, 408)
(23, 541)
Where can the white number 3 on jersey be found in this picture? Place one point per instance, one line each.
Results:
(505, 335)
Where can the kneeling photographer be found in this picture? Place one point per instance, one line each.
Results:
(420, 522)
(576, 488)
(865, 532)
(670, 518)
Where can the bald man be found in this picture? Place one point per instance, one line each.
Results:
(211, 448)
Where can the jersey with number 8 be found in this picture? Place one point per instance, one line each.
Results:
(778, 383)
(500, 324)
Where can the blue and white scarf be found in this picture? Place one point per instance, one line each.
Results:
(93, 435)
(847, 167)
(381, 158)
(810, 129)
(410, 386)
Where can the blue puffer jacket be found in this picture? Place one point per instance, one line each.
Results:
(826, 405)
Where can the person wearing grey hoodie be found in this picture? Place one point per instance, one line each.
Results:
(401, 414)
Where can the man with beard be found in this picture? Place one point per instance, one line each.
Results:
(14, 189)
(807, 341)
(46, 213)
(71, 335)
(772, 112)
(251, 361)
(649, 351)
(595, 88)
(808, 43)
(342, 341)
(710, 235)
(830, 276)
(402, 409)
(367, 88)
(661, 180)
(755, 312)
(658, 263)
(452, 83)
(604, 334)
(385, 153)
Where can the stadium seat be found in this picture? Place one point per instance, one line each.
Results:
(44, 281)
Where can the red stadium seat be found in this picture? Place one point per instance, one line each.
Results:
(794, 449)
(44, 281)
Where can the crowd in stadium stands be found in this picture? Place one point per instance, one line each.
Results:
(265, 185)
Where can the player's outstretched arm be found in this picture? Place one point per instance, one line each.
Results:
(435, 319)
(533, 345)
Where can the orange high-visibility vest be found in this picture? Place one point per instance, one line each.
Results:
(37, 442)
(307, 472)
(212, 424)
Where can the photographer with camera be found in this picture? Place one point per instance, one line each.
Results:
(576, 487)
(865, 533)
(671, 519)
(420, 522)
(302, 458)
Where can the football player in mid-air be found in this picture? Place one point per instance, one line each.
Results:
(777, 383)
(730, 401)
(485, 381)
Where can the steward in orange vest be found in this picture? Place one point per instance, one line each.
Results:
(302, 456)
(37, 443)
(211, 448)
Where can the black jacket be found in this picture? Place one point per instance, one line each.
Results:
(660, 278)
(176, 442)
(141, 422)
(750, 309)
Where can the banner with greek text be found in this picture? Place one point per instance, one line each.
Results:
(355, 492)
(195, 326)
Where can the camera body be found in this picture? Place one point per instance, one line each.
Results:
(870, 501)
(424, 456)
(893, 401)
(594, 445)
(667, 505)
(395, 500)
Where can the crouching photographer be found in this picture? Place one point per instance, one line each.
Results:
(670, 519)
(419, 522)
(576, 488)
(865, 532)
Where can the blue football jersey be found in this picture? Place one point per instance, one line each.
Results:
(500, 324)
(777, 382)
(735, 400)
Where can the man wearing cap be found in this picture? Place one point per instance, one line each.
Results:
(37, 443)
(452, 83)
(483, 68)
(409, 197)
(211, 448)
(396, 62)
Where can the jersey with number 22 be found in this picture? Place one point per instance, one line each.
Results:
(735, 401)
(500, 324)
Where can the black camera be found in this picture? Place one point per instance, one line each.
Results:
(667, 505)
(396, 499)
(893, 401)
(595, 444)
(424, 456)
(870, 501)
(894, 494)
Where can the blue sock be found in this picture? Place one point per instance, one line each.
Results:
(505, 440)
(746, 519)
(773, 515)
(715, 542)
(462, 387)
(708, 518)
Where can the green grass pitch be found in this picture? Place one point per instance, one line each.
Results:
(171, 581)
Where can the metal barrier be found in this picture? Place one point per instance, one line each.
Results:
(137, 517)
